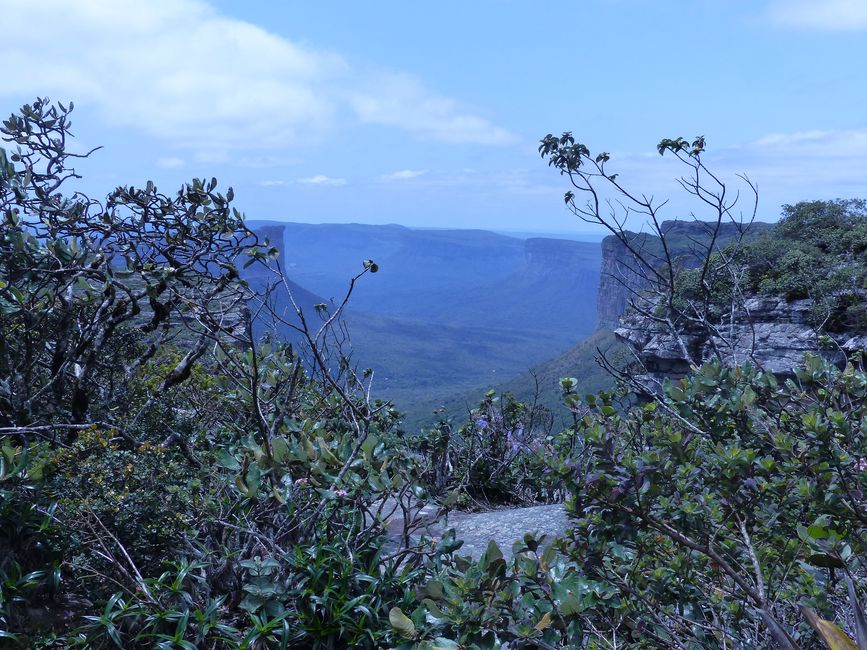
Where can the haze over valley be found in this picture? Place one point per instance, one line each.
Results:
(449, 312)
(468, 325)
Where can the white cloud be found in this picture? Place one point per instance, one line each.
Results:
(403, 175)
(320, 179)
(787, 168)
(826, 15)
(402, 101)
(170, 162)
(179, 70)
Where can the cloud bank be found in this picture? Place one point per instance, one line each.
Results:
(825, 15)
(182, 72)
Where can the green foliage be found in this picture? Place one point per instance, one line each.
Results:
(734, 470)
(75, 273)
(536, 599)
(343, 596)
(496, 457)
(149, 497)
(817, 251)
(246, 504)
(28, 563)
(706, 520)
(228, 496)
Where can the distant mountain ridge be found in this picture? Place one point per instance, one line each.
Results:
(470, 278)
(449, 310)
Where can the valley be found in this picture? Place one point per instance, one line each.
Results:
(450, 313)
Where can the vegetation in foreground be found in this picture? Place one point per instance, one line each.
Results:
(173, 483)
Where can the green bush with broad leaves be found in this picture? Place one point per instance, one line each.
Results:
(497, 456)
(729, 514)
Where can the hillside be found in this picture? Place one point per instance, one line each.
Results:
(449, 310)
(578, 362)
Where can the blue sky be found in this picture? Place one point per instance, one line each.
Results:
(429, 113)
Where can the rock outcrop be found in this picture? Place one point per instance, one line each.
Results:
(769, 331)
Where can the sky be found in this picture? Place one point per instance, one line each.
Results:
(429, 114)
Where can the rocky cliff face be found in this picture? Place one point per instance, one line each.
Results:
(617, 276)
(772, 333)
(620, 272)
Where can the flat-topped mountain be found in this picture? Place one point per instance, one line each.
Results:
(448, 310)
(472, 278)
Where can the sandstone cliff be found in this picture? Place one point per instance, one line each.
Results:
(620, 273)
(769, 331)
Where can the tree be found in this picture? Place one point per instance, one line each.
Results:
(214, 487)
(91, 290)
(684, 308)
(709, 515)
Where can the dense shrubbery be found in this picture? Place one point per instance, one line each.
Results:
(702, 521)
(818, 250)
(233, 539)
(496, 457)
(166, 479)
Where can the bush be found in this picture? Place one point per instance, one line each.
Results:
(149, 497)
(496, 457)
(704, 520)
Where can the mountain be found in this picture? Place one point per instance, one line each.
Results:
(471, 278)
(448, 311)
(608, 287)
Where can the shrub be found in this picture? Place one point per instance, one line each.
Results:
(496, 457)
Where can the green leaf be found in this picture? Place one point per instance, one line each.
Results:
(280, 448)
(544, 623)
(831, 635)
(434, 589)
(225, 459)
(826, 560)
(817, 532)
(676, 394)
(401, 623)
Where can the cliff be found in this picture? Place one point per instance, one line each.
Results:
(616, 278)
(620, 272)
(770, 331)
